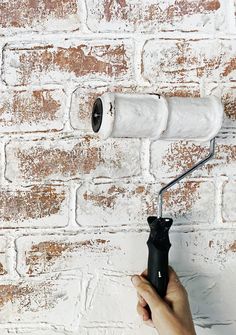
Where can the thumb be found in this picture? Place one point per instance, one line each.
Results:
(149, 294)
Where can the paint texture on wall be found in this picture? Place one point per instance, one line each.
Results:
(73, 208)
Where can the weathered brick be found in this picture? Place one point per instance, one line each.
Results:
(82, 103)
(172, 158)
(67, 60)
(72, 158)
(116, 252)
(41, 301)
(189, 60)
(228, 97)
(1, 160)
(27, 110)
(40, 255)
(137, 329)
(150, 16)
(77, 281)
(83, 99)
(179, 90)
(41, 206)
(3, 256)
(202, 259)
(129, 205)
(55, 253)
(31, 331)
(229, 201)
(42, 15)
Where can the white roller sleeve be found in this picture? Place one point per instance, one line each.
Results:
(193, 118)
(155, 117)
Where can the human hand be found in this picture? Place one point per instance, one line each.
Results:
(171, 315)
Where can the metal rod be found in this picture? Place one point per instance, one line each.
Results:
(176, 180)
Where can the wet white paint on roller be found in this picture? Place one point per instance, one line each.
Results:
(137, 115)
(133, 115)
(152, 116)
(193, 118)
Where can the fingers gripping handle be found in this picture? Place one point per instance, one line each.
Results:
(158, 247)
(158, 269)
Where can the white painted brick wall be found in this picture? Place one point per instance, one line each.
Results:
(35, 104)
(34, 206)
(41, 301)
(186, 203)
(73, 209)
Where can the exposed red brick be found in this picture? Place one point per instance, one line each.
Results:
(109, 13)
(140, 189)
(152, 16)
(188, 60)
(9, 293)
(227, 94)
(232, 247)
(46, 253)
(107, 200)
(226, 153)
(182, 155)
(183, 197)
(41, 163)
(179, 91)
(230, 67)
(22, 295)
(40, 300)
(90, 58)
(182, 8)
(27, 13)
(34, 203)
(2, 270)
(72, 158)
(122, 9)
(33, 108)
(223, 246)
(179, 201)
(229, 100)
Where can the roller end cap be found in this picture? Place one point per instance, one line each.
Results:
(97, 114)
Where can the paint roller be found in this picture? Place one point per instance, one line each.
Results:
(165, 118)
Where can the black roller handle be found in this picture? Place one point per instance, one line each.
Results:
(158, 246)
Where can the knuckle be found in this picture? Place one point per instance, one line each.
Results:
(147, 291)
(141, 286)
(145, 287)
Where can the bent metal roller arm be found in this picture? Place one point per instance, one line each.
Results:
(158, 242)
(158, 118)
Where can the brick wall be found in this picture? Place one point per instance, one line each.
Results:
(73, 209)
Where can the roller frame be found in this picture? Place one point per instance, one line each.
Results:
(184, 174)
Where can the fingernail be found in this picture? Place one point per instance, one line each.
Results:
(136, 280)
